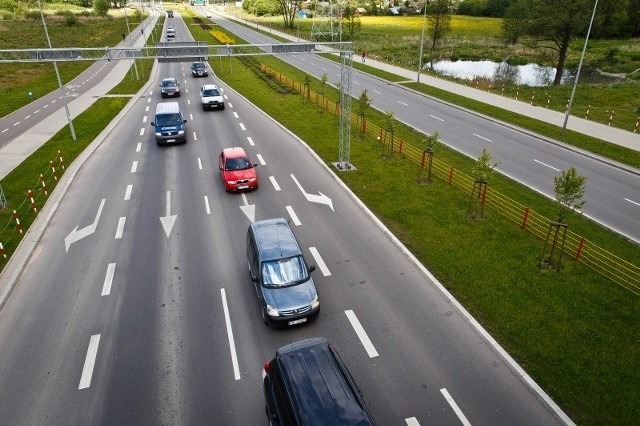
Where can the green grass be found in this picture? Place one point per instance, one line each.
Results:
(575, 332)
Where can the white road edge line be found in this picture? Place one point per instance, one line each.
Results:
(412, 421)
(274, 183)
(455, 407)
(319, 261)
(127, 193)
(89, 362)
(546, 165)
(120, 229)
(261, 160)
(364, 339)
(108, 279)
(206, 204)
(293, 215)
(232, 345)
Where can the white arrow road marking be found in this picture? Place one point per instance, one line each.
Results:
(76, 235)
(313, 198)
(89, 362)
(108, 279)
(294, 216)
(355, 323)
(319, 261)
(248, 209)
(168, 220)
(455, 407)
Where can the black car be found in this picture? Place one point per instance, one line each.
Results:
(307, 383)
(170, 87)
(199, 69)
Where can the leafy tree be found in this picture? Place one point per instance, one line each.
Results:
(634, 18)
(554, 24)
(472, 7)
(288, 11)
(101, 7)
(481, 171)
(483, 168)
(438, 20)
(569, 188)
(496, 8)
(364, 102)
(611, 18)
(350, 20)
(515, 19)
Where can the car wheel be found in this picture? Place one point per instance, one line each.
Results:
(204, 107)
(222, 106)
(264, 316)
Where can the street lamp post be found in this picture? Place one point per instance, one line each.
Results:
(55, 66)
(424, 24)
(575, 82)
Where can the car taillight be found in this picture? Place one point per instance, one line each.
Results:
(267, 366)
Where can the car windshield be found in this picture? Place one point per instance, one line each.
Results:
(198, 65)
(238, 164)
(210, 92)
(168, 120)
(169, 83)
(283, 272)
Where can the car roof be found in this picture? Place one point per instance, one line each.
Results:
(235, 152)
(209, 86)
(170, 79)
(274, 239)
(198, 63)
(167, 107)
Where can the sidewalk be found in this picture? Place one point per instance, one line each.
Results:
(21, 147)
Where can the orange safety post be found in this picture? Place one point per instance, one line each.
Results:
(484, 194)
(400, 148)
(635, 129)
(526, 217)
(44, 186)
(18, 224)
(33, 203)
(53, 170)
(424, 155)
(580, 246)
(61, 160)
(3, 251)
(451, 176)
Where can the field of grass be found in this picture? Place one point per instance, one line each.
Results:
(575, 332)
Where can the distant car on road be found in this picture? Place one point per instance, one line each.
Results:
(170, 87)
(236, 170)
(199, 69)
(210, 97)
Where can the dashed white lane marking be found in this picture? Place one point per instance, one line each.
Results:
(195, 138)
(293, 216)
(379, 93)
(242, 127)
(108, 279)
(120, 229)
(250, 141)
(261, 160)
(229, 103)
(402, 103)
(89, 362)
(362, 335)
(54, 101)
(191, 116)
(632, 202)
(36, 111)
(188, 101)
(149, 100)
(4, 130)
(455, 407)
(139, 147)
(134, 167)
(437, 118)
(16, 123)
(27, 117)
(482, 137)
(199, 163)
(142, 131)
(144, 119)
(546, 165)
(206, 204)
(127, 193)
(235, 114)
(319, 261)
(274, 183)
(146, 109)
(412, 421)
(232, 345)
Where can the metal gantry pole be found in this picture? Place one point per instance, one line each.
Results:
(344, 143)
(55, 66)
(424, 24)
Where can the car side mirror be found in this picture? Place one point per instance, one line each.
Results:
(152, 123)
(312, 268)
(254, 279)
(184, 121)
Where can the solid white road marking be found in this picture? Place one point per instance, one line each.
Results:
(250, 141)
(274, 183)
(235, 114)
(89, 362)
(546, 165)
(120, 228)
(206, 204)
(412, 421)
(232, 345)
(319, 261)
(242, 127)
(108, 279)
(437, 118)
(482, 137)
(139, 147)
(632, 202)
(293, 215)
(142, 131)
(127, 193)
(199, 163)
(261, 160)
(134, 167)
(362, 335)
(455, 407)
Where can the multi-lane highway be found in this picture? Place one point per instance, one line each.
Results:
(137, 306)
(613, 190)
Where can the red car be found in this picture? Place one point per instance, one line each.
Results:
(236, 170)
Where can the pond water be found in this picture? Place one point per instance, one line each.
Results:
(498, 72)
